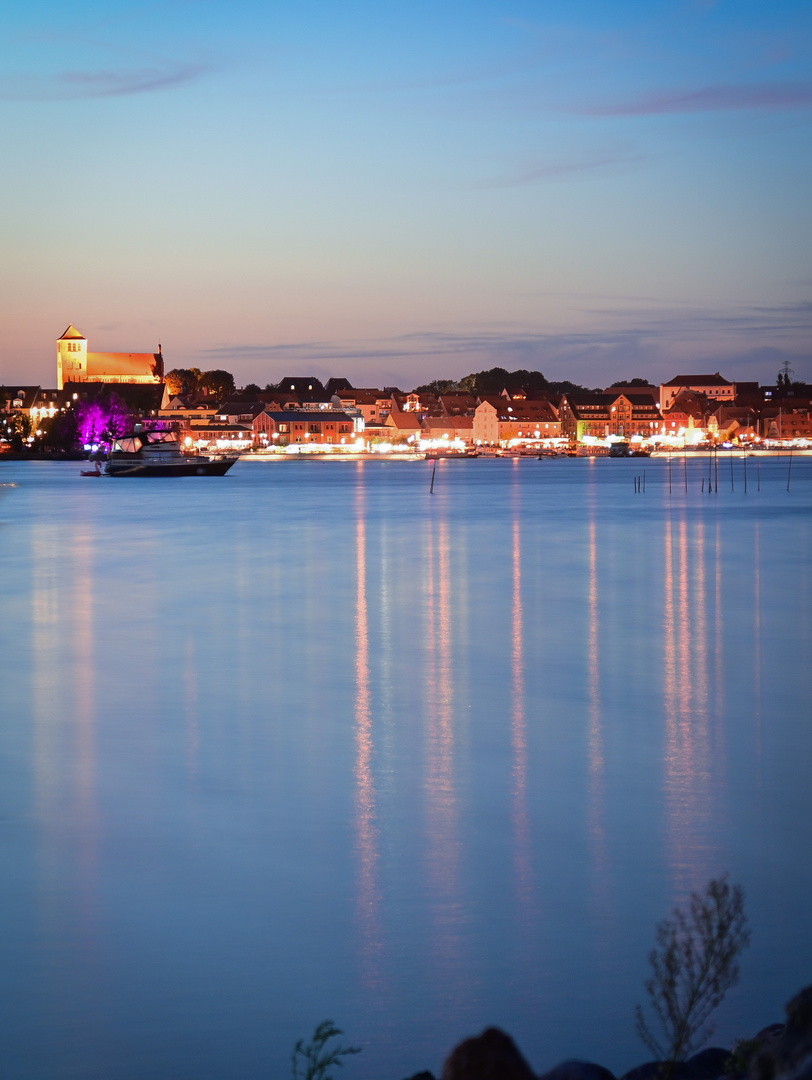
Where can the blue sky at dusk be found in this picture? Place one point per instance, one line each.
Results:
(395, 192)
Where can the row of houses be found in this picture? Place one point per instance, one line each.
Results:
(303, 411)
(494, 420)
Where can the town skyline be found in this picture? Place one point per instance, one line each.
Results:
(763, 370)
(593, 190)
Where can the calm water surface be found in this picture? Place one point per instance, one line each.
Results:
(306, 742)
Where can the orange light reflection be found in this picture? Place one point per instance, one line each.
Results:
(686, 707)
(368, 896)
(522, 845)
(596, 750)
(441, 796)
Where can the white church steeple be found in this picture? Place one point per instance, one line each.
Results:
(71, 357)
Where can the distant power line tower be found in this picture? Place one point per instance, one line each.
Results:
(787, 370)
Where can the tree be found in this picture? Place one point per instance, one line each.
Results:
(492, 381)
(497, 379)
(219, 384)
(60, 431)
(438, 386)
(567, 387)
(787, 386)
(182, 380)
(249, 392)
(19, 428)
(693, 966)
(102, 420)
(311, 1061)
(631, 382)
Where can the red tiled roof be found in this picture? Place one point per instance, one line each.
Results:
(699, 380)
(71, 334)
(124, 364)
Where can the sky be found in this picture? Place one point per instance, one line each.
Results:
(392, 193)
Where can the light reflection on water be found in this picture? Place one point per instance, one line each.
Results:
(522, 839)
(310, 742)
(366, 811)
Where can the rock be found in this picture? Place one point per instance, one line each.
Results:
(578, 1070)
(493, 1055)
(744, 1051)
(709, 1064)
(770, 1034)
(657, 1070)
(789, 1057)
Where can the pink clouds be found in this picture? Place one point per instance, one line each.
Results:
(96, 84)
(772, 96)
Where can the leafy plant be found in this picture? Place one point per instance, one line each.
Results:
(742, 1054)
(311, 1061)
(693, 966)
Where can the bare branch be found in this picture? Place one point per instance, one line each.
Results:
(693, 966)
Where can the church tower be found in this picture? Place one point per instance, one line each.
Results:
(71, 358)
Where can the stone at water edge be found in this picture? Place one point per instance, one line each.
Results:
(493, 1055)
(789, 1057)
(655, 1070)
(578, 1070)
(769, 1035)
(709, 1063)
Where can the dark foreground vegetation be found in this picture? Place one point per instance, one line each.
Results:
(693, 965)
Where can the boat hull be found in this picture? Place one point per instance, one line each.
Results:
(192, 467)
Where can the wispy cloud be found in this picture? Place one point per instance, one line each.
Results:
(68, 85)
(746, 319)
(508, 67)
(620, 343)
(565, 169)
(772, 96)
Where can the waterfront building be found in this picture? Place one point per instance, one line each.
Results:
(792, 423)
(189, 409)
(599, 415)
(403, 424)
(218, 435)
(373, 404)
(409, 402)
(288, 428)
(499, 420)
(75, 364)
(688, 413)
(240, 412)
(31, 401)
(306, 387)
(448, 427)
(715, 387)
(458, 404)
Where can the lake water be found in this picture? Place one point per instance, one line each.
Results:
(308, 741)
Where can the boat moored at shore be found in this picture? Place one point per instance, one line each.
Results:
(157, 453)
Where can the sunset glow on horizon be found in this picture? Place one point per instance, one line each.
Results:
(393, 194)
